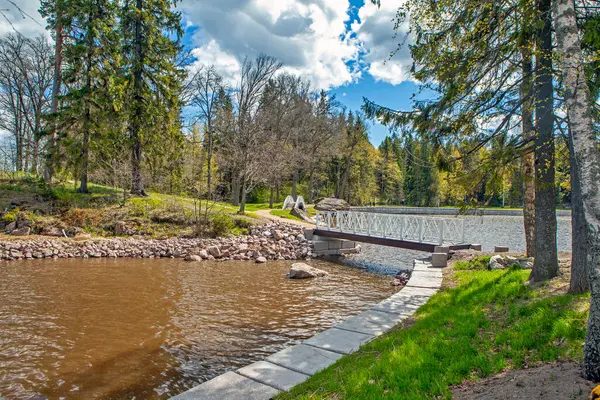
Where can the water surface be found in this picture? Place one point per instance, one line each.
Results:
(131, 328)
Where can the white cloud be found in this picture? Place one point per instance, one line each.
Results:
(375, 31)
(308, 36)
(28, 23)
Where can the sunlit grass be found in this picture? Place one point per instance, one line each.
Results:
(490, 322)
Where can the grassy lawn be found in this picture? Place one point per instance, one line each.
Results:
(482, 323)
(284, 214)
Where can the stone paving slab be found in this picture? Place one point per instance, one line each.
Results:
(339, 340)
(427, 272)
(415, 291)
(306, 359)
(424, 281)
(401, 305)
(372, 322)
(229, 386)
(272, 375)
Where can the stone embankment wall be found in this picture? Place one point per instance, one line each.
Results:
(326, 246)
(273, 241)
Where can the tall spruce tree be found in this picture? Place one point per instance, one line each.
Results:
(90, 57)
(151, 33)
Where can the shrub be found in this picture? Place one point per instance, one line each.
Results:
(221, 224)
(477, 263)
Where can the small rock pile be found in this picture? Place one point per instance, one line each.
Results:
(273, 241)
(401, 278)
(502, 262)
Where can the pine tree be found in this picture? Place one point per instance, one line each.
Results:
(90, 57)
(151, 32)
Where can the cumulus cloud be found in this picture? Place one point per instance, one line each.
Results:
(375, 32)
(28, 22)
(308, 36)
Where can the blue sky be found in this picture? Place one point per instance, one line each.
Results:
(339, 45)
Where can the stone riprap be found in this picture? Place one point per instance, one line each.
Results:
(285, 369)
(272, 241)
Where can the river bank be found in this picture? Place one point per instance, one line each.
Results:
(271, 241)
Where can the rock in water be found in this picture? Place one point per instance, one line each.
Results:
(332, 204)
(304, 271)
(261, 260)
(193, 257)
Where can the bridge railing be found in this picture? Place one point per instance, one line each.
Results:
(394, 226)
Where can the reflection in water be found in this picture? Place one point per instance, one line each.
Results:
(154, 328)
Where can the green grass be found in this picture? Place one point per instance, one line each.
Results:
(491, 321)
(284, 214)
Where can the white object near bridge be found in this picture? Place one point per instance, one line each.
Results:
(394, 226)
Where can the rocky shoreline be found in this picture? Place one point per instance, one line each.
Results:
(272, 241)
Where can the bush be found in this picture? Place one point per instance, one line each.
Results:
(222, 224)
(477, 263)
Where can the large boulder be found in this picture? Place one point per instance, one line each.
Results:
(21, 231)
(304, 271)
(332, 204)
(303, 215)
(52, 231)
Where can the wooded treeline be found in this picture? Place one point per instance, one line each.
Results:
(115, 99)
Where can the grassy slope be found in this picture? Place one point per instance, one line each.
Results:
(489, 322)
(158, 215)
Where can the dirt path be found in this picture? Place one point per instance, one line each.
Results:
(267, 215)
(560, 381)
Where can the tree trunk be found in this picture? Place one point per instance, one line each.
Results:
(579, 269)
(235, 189)
(85, 146)
(295, 184)
(49, 167)
(345, 180)
(311, 185)
(209, 152)
(579, 108)
(545, 264)
(528, 157)
(137, 185)
(242, 209)
(277, 195)
(271, 197)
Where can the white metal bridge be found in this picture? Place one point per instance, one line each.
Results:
(405, 231)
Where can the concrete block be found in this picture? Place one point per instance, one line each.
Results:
(476, 247)
(338, 340)
(371, 322)
(306, 359)
(439, 260)
(328, 252)
(442, 249)
(229, 386)
(501, 249)
(273, 375)
(402, 305)
(348, 244)
(335, 244)
(348, 251)
(309, 233)
(320, 245)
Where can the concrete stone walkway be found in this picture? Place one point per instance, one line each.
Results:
(289, 367)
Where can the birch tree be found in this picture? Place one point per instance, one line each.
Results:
(587, 156)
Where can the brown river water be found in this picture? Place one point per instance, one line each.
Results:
(150, 329)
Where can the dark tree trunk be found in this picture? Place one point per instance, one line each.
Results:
(85, 145)
(528, 157)
(311, 185)
(295, 179)
(278, 195)
(580, 282)
(546, 254)
(242, 209)
(137, 184)
(209, 152)
(271, 196)
(57, 80)
(235, 189)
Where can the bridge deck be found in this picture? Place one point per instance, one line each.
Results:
(402, 244)
(407, 232)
